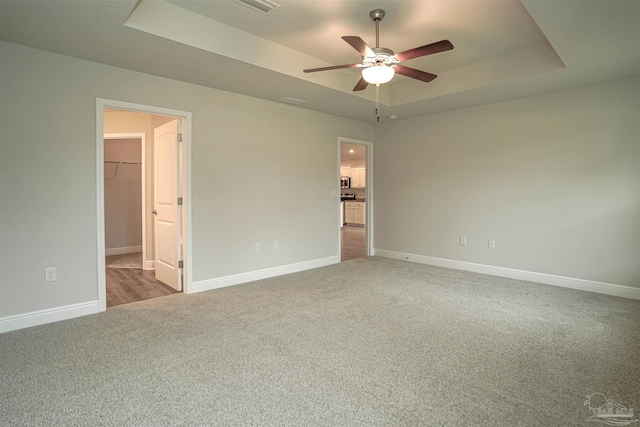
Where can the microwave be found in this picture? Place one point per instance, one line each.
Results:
(345, 182)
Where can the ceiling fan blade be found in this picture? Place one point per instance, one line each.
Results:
(334, 67)
(415, 74)
(358, 44)
(362, 84)
(425, 50)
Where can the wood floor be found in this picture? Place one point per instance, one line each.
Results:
(352, 241)
(127, 285)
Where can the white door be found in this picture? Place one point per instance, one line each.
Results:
(166, 209)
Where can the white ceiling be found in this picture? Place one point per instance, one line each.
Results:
(352, 154)
(503, 48)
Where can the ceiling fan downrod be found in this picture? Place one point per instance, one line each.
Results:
(377, 15)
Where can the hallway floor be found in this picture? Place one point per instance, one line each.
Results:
(352, 239)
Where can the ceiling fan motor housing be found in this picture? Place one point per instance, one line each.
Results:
(382, 52)
(382, 56)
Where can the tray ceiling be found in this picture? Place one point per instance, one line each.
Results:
(503, 48)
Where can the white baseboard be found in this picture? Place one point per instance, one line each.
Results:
(149, 265)
(122, 250)
(530, 276)
(236, 279)
(35, 318)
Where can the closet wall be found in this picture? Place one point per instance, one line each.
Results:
(123, 196)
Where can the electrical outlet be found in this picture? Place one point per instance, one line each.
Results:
(463, 241)
(50, 274)
(275, 244)
(492, 244)
(257, 247)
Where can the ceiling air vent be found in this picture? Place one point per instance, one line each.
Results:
(292, 101)
(264, 6)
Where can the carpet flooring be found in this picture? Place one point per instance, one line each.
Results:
(367, 342)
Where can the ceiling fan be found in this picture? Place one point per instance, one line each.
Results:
(379, 64)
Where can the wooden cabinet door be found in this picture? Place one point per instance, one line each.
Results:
(358, 178)
(350, 213)
(363, 177)
(359, 213)
(355, 213)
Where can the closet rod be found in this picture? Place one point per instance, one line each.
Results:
(122, 163)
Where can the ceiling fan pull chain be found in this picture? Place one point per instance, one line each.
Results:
(378, 101)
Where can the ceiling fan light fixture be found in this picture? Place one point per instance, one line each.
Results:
(378, 74)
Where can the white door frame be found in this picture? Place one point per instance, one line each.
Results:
(101, 104)
(368, 191)
(140, 136)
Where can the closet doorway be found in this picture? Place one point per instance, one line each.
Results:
(130, 276)
(144, 180)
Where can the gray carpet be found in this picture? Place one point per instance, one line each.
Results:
(371, 341)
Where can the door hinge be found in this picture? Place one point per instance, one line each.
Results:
(179, 137)
(179, 201)
(180, 264)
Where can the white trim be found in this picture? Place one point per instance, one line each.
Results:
(123, 250)
(101, 253)
(143, 183)
(237, 279)
(149, 265)
(50, 315)
(529, 276)
(101, 104)
(368, 191)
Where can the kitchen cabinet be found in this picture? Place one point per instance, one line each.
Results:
(345, 171)
(354, 213)
(358, 178)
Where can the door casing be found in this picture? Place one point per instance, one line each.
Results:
(368, 191)
(185, 170)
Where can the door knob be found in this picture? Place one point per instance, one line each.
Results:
(155, 212)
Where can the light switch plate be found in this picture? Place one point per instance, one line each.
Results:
(50, 274)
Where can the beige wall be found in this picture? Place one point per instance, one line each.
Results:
(554, 179)
(122, 194)
(260, 171)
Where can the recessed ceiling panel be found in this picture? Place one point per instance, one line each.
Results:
(494, 40)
